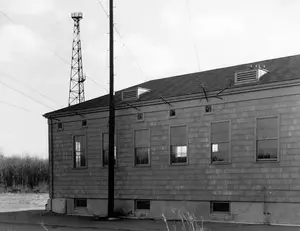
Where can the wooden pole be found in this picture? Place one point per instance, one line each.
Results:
(111, 114)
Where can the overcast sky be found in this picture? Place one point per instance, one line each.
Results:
(164, 38)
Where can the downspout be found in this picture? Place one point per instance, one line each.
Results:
(51, 159)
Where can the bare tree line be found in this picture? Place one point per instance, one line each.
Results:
(17, 172)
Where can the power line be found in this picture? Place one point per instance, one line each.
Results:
(195, 45)
(32, 89)
(26, 95)
(20, 108)
(123, 43)
(57, 55)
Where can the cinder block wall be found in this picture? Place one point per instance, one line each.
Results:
(240, 181)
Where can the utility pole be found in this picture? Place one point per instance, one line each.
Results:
(111, 170)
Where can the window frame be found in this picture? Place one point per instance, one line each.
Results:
(74, 154)
(256, 160)
(186, 142)
(212, 109)
(102, 149)
(149, 148)
(229, 142)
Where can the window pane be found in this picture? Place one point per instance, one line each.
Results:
(267, 128)
(79, 151)
(141, 138)
(267, 149)
(105, 157)
(220, 152)
(178, 135)
(178, 154)
(105, 141)
(142, 156)
(220, 132)
(223, 207)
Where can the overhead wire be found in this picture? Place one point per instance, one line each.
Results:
(123, 43)
(194, 43)
(32, 89)
(22, 93)
(18, 107)
(53, 52)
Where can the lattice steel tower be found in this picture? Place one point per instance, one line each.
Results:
(76, 93)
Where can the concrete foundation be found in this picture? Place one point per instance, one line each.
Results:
(240, 212)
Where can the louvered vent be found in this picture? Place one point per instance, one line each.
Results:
(249, 76)
(133, 94)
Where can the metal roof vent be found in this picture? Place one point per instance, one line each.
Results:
(133, 94)
(249, 76)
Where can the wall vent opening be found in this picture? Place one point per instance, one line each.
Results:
(84, 123)
(208, 108)
(219, 207)
(172, 113)
(140, 116)
(142, 204)
(60, 126)
(80, 203)
(249, 76)
(133, 94)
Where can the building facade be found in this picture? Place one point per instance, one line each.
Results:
(221, 144)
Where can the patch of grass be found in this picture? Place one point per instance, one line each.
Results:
(188, 222)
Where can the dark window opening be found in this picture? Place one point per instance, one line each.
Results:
(220, 207)
(220, 143)
(140, 116)
(208, 108)
(84, 123)
(142, 204)
(60, 125)
(142, 147)
(80, 203)
(141, 156)
(105, 149)
(172, 113)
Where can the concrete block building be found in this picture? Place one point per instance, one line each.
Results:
(223, 144)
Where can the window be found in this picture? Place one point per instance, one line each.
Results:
(220, 145)
(141, 147)
(208, 108)
(172, 113)
(267, 139)
(140, 116)
(84, 123)
(79, 151)
(105, 149)
(80, 203)
(142, 204)
(60, 126)
(219, 207)
(178, 144)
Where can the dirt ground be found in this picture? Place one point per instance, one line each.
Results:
(20, 201)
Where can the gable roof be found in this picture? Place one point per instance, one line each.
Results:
(279, 69)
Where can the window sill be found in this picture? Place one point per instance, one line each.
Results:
(142, 166)
(179, 164)
(220, 163)
(79, 168)
(266, 161)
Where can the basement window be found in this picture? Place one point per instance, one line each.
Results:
(219, 207)
(80, 203)
(84, 123)
(172, 113)
(60, 126)
(140, 116)
(208, 108)
(142, 204)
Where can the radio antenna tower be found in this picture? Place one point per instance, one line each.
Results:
(76, 93)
